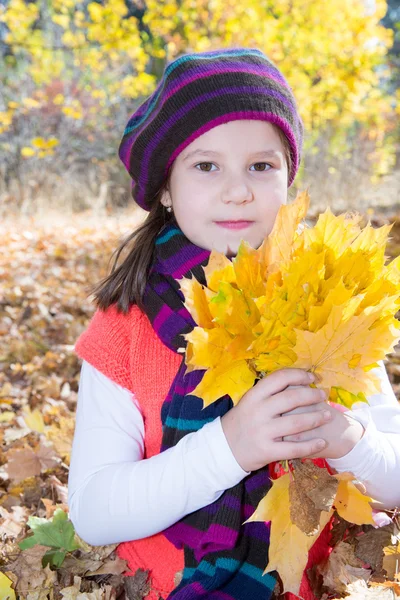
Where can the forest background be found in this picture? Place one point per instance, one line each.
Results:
(71, 73)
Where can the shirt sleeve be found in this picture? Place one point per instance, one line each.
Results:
(114, 494)
(375, 459)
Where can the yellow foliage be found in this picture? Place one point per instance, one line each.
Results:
(26, 152)
(289, 546)
(330, 63)
(6, 591)
(33, 419)
(350, 503)
(317, 298)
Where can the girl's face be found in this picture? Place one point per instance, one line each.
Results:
(236, 172)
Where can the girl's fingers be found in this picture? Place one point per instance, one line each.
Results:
(279, 380)
(289, 450)
(292, 399)
(294, 424)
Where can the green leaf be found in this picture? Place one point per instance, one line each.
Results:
(54, 558)
(58, 533)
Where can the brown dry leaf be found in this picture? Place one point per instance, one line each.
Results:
(312, 490)
(28, 463)
(22, 464)
(138, 585)
(31, 576)
(80, 566)
(60, 488)
(343, 568)
(12, 523)
(370, 544)
(114, 567)
(73, 592)
(302, 509)
(51, 507)
(46, 456)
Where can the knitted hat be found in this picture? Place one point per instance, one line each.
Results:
(196, 93)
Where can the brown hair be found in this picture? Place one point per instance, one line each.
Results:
(126, 283)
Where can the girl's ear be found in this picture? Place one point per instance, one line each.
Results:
(166, 198)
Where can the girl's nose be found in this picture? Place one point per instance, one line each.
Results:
(237, 192)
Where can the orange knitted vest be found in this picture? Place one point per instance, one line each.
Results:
(126, 349)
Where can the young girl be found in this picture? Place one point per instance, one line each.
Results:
(211, 153)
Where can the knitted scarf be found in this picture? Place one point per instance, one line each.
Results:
(224, 559)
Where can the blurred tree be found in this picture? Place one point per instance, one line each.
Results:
(392, 21)
(79, 67)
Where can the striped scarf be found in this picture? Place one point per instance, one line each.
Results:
(224, 559)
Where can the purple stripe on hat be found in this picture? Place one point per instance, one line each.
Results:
(261, 89)
(167, 125)
(208, 71)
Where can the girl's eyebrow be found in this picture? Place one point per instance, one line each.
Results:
(269, 152)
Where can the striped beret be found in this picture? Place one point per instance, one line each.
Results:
(196, 93)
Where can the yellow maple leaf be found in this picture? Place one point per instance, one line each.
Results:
(330, 351)
(234, 378)
(6, 591)
(309, 298)
(289, 546)
(33, 419)
(278, 246)
(234, 309)
(206, 347)
(196, 301)
(350, 503)
(247, 269)
(334, 232)
(219, 268)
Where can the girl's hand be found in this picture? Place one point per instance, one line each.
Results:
(256, 426)
(341, 433)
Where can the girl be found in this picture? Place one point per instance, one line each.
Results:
(212, 153)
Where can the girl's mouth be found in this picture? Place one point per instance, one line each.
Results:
(234, 224)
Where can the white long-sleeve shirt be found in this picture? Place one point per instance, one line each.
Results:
(116, 495)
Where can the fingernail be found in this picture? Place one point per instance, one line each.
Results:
(321, 444)
(322, 394)
(327, 414)
(311, 376)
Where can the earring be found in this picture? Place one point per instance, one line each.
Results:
(169, 209)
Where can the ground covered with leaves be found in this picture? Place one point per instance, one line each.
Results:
(46, 271)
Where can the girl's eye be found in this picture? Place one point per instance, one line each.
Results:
(204, 163)
(261, 164)
(257, 165)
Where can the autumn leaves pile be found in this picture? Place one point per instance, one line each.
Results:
(318, 298)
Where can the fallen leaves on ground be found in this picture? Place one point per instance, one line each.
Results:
(44, 307)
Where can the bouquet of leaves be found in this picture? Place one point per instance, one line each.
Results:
(318, 298)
